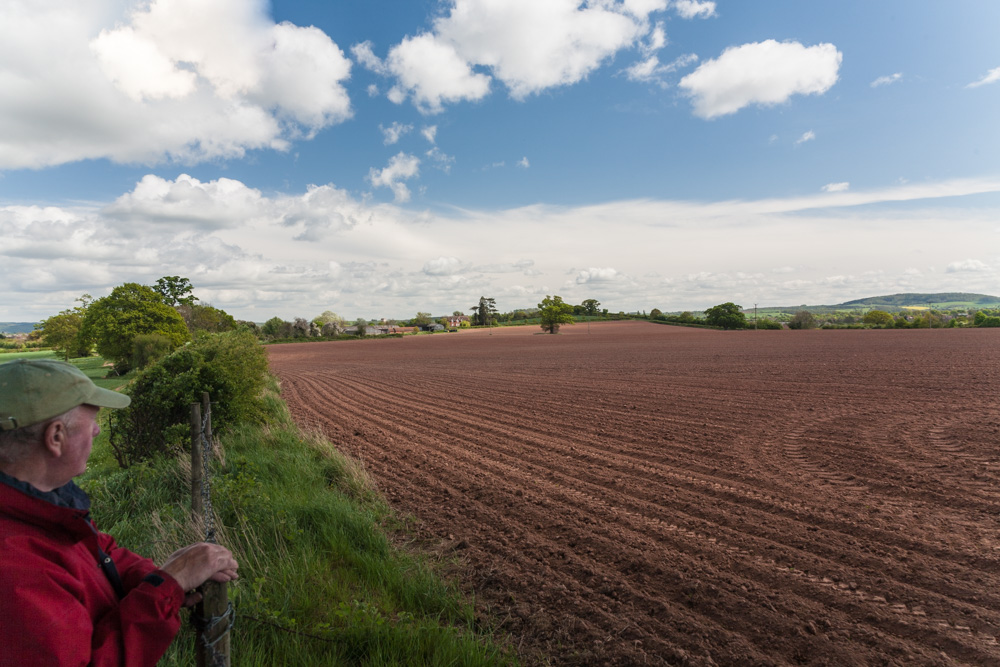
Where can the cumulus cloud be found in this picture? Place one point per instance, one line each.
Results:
(154, 84)
(651, 70)
(967, 266)
(440, 159)
(763, 73)
(528, 45)
(430, 133)
(990, 77)
(690, 9)
(431, 72)
(443, 266)
(523, 163)
(837, 187)
(258, 255)
(808, 135)
(401, 167)
(597, 275)
(392, 134)
(886, 80)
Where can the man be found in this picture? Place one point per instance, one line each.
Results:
(68, 594)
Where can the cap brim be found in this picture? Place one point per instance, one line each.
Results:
(105, 398)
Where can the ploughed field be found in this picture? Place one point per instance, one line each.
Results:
(641, 494)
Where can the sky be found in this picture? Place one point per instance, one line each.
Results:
(378, 158)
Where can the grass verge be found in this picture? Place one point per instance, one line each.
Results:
(320, 581)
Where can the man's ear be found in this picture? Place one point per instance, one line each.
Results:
(55, 438)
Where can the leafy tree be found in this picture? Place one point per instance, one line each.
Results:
(485, 311)
(330, 317)
(554, 312)
(655, 314)
(63, 333)
(175, 291)
(984, 318)
(591, 307)
(129, 311)
(726, 315)
(203, 317)
(878, 318)
(421, 320)
(458, 313)
(147, 348)
(802, 320)
(276, 328)
(231, 366)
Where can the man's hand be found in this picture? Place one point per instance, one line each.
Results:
(197, 563)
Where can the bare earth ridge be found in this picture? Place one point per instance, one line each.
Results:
(630, 493)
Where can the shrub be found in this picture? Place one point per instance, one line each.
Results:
(231, 367)
(802, 320)
(147, 348)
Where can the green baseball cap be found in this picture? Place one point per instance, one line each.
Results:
(34, 390)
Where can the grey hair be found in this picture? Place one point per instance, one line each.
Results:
(16, 445)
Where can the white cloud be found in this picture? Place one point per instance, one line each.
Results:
(392, 134)
(443, 266)
(430, 133)
(597, 275)
(967, 266)
(837, 187)
(528, 45)
(763, 73)
(651, 70)
(432, 72)
(366, 58)
(990, 77)
(886, 80)
(259, 255)
(808, 135)
(440, 159)
(401, 167)
(372, 90)
(690, 9)
(172, 79)
(523, 163)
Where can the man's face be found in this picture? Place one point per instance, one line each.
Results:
(81, 431)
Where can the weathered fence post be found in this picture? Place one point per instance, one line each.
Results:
(197, 464)
(212, 642)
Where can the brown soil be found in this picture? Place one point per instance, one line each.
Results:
(629, 493)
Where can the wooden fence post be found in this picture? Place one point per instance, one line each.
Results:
(197, 465)
(212, 643)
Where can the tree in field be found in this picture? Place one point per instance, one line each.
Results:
(330, 317)
(591, 307)
(131, 310)
(63, 333)
(655, 314)
(878, 318)
(485, 311)
(276, 328)
(802, 320)
(203, 317)
(554, 312)
(175, 291)
(726, 315)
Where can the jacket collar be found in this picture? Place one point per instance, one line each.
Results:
(68, 495)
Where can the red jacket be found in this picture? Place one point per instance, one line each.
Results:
(59, 607)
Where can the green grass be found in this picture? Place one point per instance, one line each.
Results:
(321, 582)
(33, 354)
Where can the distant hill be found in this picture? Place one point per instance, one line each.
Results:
(897, 302)
(938, 299)
(16, 327)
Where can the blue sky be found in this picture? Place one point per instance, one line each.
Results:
(382, 157)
